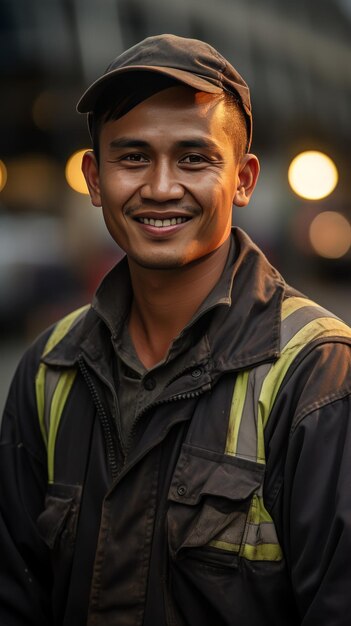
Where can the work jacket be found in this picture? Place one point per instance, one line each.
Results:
(201, 519)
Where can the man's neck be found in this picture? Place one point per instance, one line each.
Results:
(165, 301)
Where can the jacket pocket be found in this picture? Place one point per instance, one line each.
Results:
(58, 522)
(209, 499)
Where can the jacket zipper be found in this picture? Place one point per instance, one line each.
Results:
(108, 428)
(104, 420)
(181, 396)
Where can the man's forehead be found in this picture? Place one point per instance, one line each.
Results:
(178, 104)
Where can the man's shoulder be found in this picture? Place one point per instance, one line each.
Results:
(65, 325)
(301, 314)
(50, 337)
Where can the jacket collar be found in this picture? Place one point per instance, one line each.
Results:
(246, 331)
(241, 314)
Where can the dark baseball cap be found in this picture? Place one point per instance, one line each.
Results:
(190, 61)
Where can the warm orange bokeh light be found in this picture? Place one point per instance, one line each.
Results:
(330, 234)
(3, 175)
(73, 172)
(312, 175)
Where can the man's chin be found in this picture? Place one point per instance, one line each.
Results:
(159, 264)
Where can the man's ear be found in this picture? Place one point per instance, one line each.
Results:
(90, 170)
(247, 179)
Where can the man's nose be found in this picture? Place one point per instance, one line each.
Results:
(161, 184)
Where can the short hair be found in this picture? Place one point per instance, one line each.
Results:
(236, 124)
(133, 88)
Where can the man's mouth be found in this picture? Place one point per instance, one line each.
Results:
(173, 221)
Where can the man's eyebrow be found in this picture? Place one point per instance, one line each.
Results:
(128, 142)
(192, 142)
(198, 142)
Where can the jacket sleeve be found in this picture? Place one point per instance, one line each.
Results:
(317, 490)
(25, 575)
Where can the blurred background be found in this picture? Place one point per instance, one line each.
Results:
(296, 57)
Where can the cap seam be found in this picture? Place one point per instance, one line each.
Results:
(221, 62)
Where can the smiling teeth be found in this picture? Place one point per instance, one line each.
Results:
(162, 223)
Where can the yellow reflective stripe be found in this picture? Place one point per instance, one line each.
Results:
(62, 328)
(319, 328)
(62, 390)
(40, 394)
(258, 512)
(261, 452)
(224, 545)
(262, 552)
(290, 305)
(260, 542)
(236, 411)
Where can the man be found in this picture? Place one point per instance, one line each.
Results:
(178, 453)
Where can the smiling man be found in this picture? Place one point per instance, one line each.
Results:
(167, 193)
(178, 453)
(168, 190)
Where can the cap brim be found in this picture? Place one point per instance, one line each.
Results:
(89, 98)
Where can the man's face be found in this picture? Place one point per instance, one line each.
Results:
(167, 178)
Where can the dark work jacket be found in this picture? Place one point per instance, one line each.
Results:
(112, 541)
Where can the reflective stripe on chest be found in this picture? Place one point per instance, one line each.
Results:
(254, 394)
(52, 388)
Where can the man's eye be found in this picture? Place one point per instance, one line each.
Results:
(135, 158)
(193, 158)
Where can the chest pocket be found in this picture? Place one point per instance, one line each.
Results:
(57, 524)
(210, 499)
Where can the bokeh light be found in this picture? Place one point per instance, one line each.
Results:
(73, 172)
(3, 175)
(330, 234)
(33, 183)
(313, 175)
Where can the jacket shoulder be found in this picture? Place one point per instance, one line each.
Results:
(63, 326)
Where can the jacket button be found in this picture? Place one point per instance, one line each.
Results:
(149, 384)
(181, 490)
(196, 373)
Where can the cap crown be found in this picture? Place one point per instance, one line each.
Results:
(191, 61)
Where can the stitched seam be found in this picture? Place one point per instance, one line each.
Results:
(318, 404)
(221, 63)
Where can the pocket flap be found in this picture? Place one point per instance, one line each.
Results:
(201, 472)
(59, 501)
